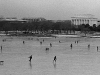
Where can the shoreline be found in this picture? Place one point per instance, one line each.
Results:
(53, 35)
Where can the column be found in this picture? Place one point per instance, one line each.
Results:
(79, 21)
(84, 21)
(75, 21)
(72, 22)
(90, 21)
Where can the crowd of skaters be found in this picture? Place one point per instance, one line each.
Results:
(55, 57)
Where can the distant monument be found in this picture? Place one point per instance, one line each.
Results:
(84, 19)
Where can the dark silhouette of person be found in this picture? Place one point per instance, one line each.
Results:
(30, 58)
(59, 42)
(43, 40)
(23, 42)
(41, 43)
(55, 58)
(50, 45)
(71, 46)
(3, 40)
(1, 49)
(77, 42)
(47, 49)
(97, 48)
(89, 46)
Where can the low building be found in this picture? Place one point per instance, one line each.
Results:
(34, 19)
(12, 20)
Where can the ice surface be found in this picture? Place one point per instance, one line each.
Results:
(80, 60)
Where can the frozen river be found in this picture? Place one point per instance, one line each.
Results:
(80, 60)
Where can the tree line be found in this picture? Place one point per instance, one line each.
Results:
(46, 26)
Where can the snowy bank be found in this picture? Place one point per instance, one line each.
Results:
(94, 36)
(71, 36)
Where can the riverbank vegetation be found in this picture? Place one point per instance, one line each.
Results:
(45, 27)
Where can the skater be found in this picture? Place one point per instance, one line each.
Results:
(54, 60)
(41, 43)
(43, 40)
(3, 40)
(77, 42)
(1, 49)
(30, 58)
(71, 46)
(47, 49)
(89, 46)
(59, 42)
(50, 45)
(97, 48)
(23, 42)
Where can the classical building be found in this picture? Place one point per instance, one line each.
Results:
(84, 19)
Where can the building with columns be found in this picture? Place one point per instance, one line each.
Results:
(84, 19)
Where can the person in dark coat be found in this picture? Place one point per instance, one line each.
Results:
(50, 45)
(30, 58)
(88, 45)
(1, 49)
(97, 48)
(59, 41)
(23, 42)
(71, 46)
(41, 42)
(55, 58)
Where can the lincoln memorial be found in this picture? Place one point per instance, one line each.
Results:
(84, 19)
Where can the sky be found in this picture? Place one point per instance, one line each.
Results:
(49, 9)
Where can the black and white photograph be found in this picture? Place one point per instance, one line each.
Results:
(49, 37)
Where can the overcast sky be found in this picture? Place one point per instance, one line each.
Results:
(49, 9)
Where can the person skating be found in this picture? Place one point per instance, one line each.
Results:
(30, 58)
